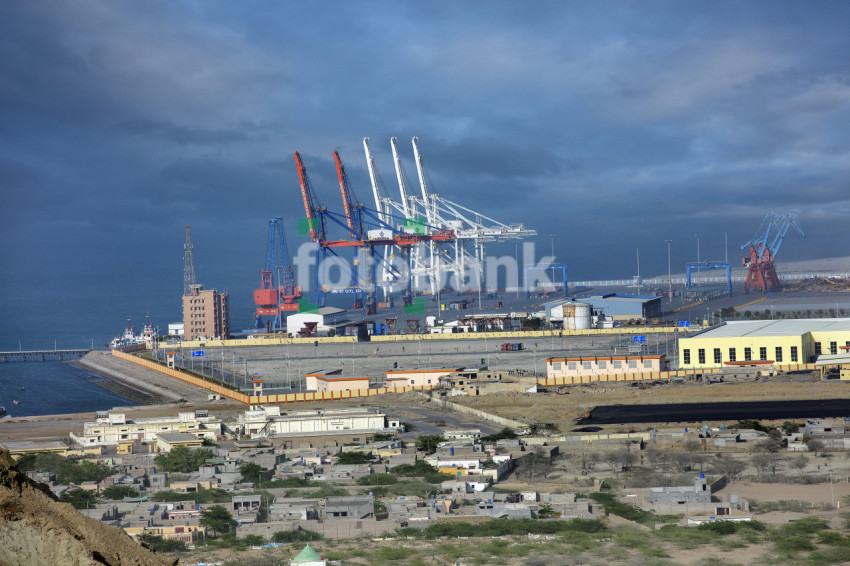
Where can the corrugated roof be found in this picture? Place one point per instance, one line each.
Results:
(797, 327)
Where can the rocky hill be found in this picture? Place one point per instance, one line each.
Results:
(35, 529)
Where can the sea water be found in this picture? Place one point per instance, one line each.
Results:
(52, 387)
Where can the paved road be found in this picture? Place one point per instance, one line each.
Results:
(705, 412)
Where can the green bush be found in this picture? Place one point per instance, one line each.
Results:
(159, 544)
(182, 459)
(214, 495)
(119, 492)
(288, 482)
(377, 479)
(354, 457)
(793, 544)
(300, 535)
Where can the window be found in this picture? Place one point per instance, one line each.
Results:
(833, 347)
(718, 357)
(632, 364)
(686, 356)
(647, 364)
(618, 364)
(748, 354)
(586, 365)
(817, 349)
(701, 355)
(572, 365)
(555, 366)
(603, 364)
(793, 353)
(733, 356)
(778, 354)
(763, 353)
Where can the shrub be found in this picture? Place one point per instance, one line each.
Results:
(354, 457)
(377, 479)
(119, 492)
(299, 535)
(159, 544)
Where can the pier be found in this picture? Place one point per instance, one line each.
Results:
(42, 355)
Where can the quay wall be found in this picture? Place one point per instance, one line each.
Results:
(228, 393)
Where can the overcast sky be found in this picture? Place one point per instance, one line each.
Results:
(613, 125)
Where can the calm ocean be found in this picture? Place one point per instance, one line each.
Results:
(52, 388)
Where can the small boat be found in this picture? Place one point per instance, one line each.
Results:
(2, 411)
(15, 402)
(22, 388)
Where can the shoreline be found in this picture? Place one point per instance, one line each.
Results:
(125, 386)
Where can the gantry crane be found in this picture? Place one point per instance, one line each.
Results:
(359, 236)
(274, 300)
(763, 247)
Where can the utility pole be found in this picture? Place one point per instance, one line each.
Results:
(669, 275)
(698, 260)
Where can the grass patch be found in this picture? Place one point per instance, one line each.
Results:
(611, 505)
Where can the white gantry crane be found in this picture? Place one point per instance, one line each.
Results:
(462, 259)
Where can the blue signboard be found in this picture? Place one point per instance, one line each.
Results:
(684, 323)
(639, 339)
(198, 354)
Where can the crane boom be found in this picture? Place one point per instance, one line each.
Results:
(316, 223)
(380, 205)
(420, 169)
(407, 202)
(355, 224)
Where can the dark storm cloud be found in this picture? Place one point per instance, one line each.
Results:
(601, 123)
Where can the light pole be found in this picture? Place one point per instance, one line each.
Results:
(516, 260)
(698, 280)
(669, 275)
(552, 237)
(726, 246)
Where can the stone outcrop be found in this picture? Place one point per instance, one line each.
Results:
(36, 529)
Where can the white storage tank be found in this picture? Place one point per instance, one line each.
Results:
(576, 316)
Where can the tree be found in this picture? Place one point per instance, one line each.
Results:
(218, 519)
(536, 464)
(428, 442)
(545, 511)
(80, 498)
(766, 461)
(254, 473)
(800, 461)
(729, 467)
(182, 460)
(354, 457)
(814, 445)
(119, 492)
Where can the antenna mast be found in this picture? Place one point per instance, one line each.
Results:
(188, 263)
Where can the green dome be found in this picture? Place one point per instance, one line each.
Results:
(308, 555)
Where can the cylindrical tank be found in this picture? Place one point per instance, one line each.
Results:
(576, 316)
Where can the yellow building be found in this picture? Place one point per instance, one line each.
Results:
(784, 342)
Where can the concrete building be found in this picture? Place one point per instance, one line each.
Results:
(317, 323)
(270, 422)
(797, 341)
(335, 383)
(625, 307)
(167, 441)
(418, 377)
(206, 314)
(599, 368)
(112, 428)
(699, 492)
(483, 382)
(348, 507)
